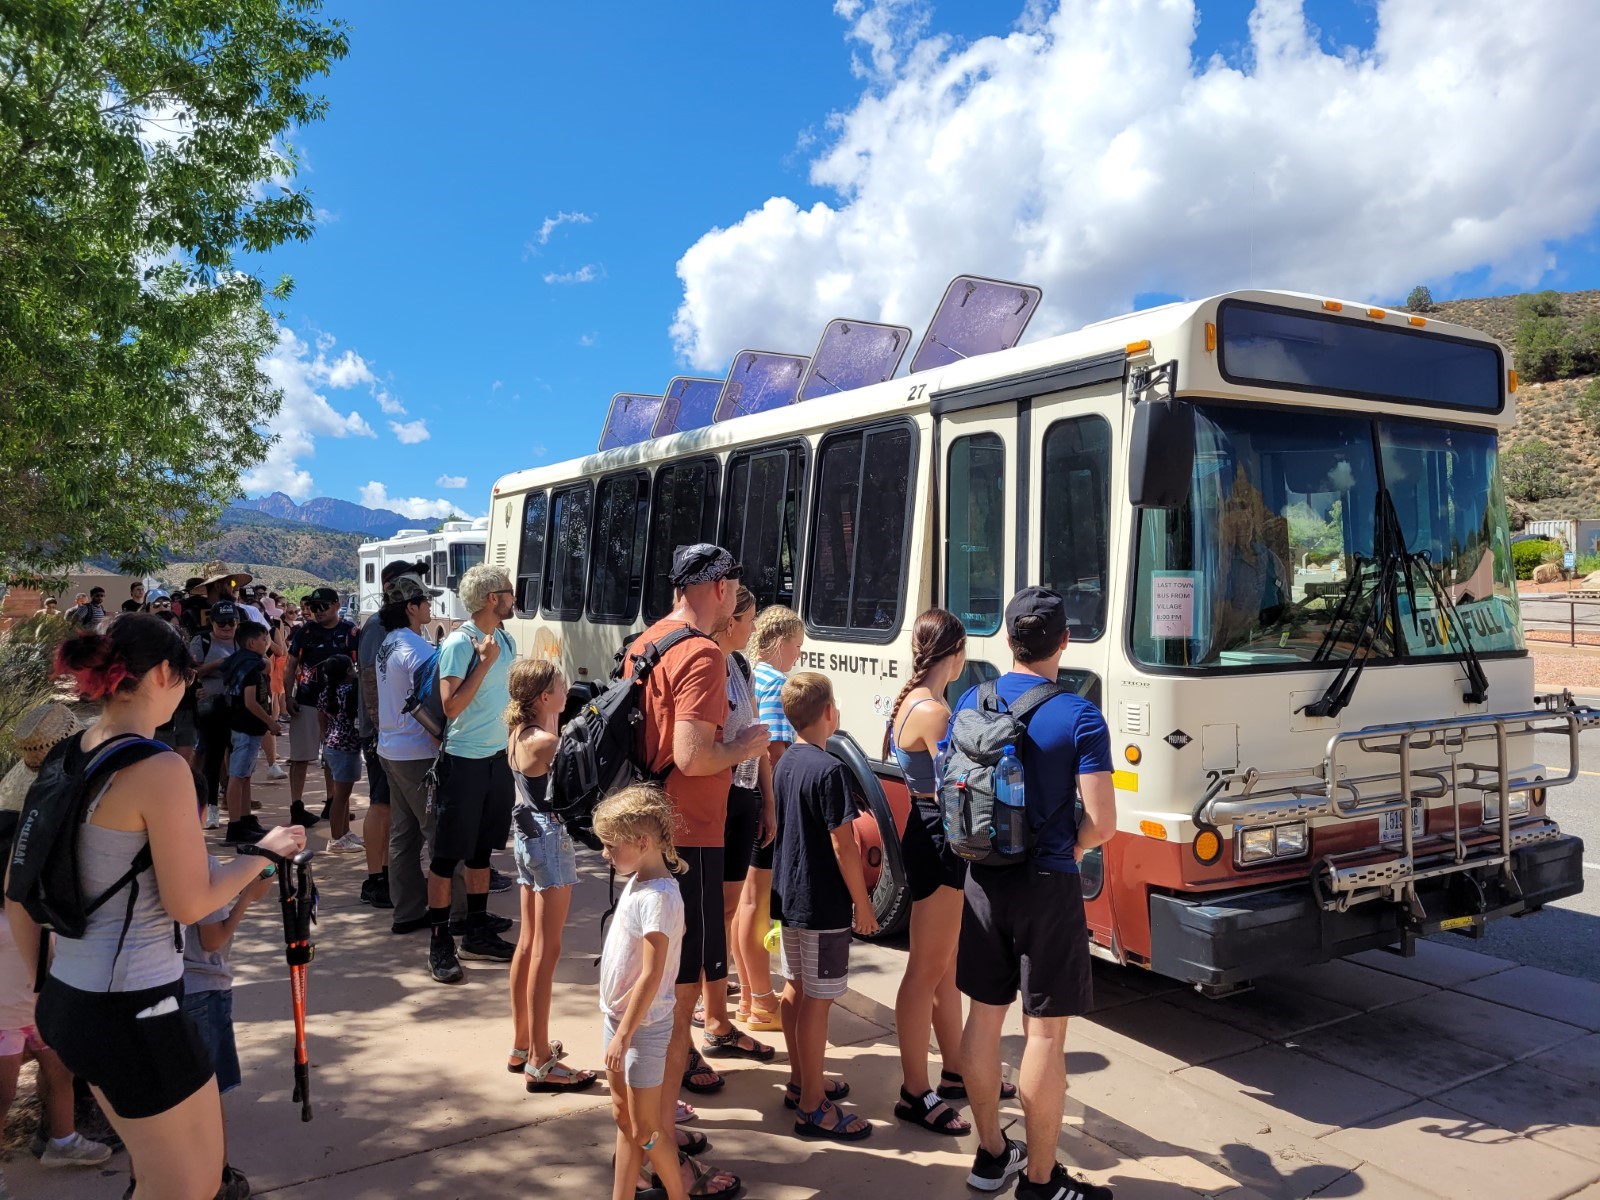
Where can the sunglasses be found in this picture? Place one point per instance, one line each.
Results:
(223, 624)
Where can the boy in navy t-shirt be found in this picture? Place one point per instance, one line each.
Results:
(819, 892)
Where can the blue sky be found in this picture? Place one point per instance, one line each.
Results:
(511, 193)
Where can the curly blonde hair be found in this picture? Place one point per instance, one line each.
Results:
(775, 625)
(640, 810)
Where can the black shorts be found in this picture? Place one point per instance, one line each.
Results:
(377, 781)
(472, 808)
(705, 939)
(1022, 927)
(739, 840)
(145, 1065)
(761, 856)
(929, 863)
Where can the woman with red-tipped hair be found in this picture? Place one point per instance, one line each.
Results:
(111, 1006)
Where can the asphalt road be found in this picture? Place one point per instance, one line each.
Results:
(1560, 616)
(1564, 936)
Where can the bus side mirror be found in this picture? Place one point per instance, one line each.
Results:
(1160, 453)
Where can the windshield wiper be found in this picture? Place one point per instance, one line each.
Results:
(1394, 563)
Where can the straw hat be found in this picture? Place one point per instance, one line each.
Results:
(220, 572)
(38, 730)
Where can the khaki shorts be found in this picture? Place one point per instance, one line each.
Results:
(305, 735)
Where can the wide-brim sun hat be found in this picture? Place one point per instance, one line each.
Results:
(14, 787)
(220, 572)
(40, 728)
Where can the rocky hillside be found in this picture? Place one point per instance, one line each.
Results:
(329, 513)
(278, 551)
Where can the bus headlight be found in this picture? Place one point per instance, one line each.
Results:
(1491, 807)
(1274, 841)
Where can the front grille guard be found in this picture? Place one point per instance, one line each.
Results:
(1462, 758)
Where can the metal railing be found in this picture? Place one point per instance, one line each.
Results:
(1582, 614)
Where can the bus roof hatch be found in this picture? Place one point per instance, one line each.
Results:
(630, 420)
(759, 381)
(689, 404)
(976, 316)
(854, 354)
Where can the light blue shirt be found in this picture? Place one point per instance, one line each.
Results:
(769, 703)
(480, 731)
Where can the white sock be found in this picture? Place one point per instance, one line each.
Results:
(61, 1143)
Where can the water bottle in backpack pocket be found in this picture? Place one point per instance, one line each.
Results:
(1012, 834)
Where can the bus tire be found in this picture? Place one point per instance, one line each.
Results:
(891, 897)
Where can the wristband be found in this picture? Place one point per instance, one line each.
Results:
(268, 871)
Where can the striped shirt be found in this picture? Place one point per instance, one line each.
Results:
(769, 704)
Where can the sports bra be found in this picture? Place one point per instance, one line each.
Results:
(916, 765)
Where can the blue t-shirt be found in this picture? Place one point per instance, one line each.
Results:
(480, 731)
(1067, 737)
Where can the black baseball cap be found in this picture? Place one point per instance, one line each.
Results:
(323, 596)
(395, 569)
(224, 612)
(1036, 612)
(703, 562)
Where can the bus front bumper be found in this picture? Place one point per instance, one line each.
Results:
(1229, 938)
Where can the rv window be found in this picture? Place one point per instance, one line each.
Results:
(372, 573)
(565, 572)
(858, 541)
(685, 512)
(530, 559)
(621, 520)
(439, 573)
(975, 539)
(463, 557)
(761, 521)
(1077, 504)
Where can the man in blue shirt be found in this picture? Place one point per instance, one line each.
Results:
(475, 793)
(1023, 926)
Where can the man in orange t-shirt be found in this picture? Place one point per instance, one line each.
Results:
(685, 705)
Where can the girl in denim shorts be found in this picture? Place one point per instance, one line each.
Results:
(337, 708)
(546, 869)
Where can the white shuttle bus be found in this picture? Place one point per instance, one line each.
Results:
(1280, 529)
(449, 553)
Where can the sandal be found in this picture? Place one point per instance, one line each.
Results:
(832, 1089)
(846, 1127)
(699, 1069)
(698, 1017)
(733, 1045)
(516, 1060)
(556, 1076)
(697, 1144)
(930, 1112)
(758, 1018)
(703, 1173)
(685, 1114)
(951, 1087)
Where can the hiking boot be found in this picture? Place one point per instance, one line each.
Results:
(78, 1152)
(1061, 1186)
(239, 834)
(443, 962)
(484, 943)
(495, 923)
(254, 822)
(990, 1171)
(410, 925)
(376, 893)
(302, 816)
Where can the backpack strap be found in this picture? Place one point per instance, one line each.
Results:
(1035, 698)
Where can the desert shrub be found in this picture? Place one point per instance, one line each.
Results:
(1539, 304)
(1525, 556)
(1420, 300)
(1532, 471)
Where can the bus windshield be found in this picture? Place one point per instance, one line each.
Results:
(1277, 534)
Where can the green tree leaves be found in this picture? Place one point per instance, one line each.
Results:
(1532, 471)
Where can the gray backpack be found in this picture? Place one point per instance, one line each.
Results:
(968, 803)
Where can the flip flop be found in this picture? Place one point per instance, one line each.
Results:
(698, 1067)
(832, 1089)
(952, 1087)
(847, 1127)
(930, 1112)
(731, 1045)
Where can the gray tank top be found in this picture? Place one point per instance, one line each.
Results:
(915, 765)
(529, 787)
(150, 956)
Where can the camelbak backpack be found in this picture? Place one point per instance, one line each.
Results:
(426, 701)
(967, 792)
(599, 752)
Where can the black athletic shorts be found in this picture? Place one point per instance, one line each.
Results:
(705, 939)
(472, 808)
(929, 863)
(739, 840)
(1024, 928)
(377, 781)
(139, 1048)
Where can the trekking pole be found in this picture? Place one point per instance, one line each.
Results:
(298, 899)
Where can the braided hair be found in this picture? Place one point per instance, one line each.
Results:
(936, 635)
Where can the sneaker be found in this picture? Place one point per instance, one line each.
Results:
(213, 817)
(442, 960)
(410, 925)
(78, 1152)
(486, 944)
(276, 772)
(497, 924)
(302, 816)
(376, 893)
(234, 1185)
(254, 822)
(1061, 1186)
(990, 1171)
(344, 844)
(240, 833)
(499, 882)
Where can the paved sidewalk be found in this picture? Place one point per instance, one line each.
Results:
(1450, 1074)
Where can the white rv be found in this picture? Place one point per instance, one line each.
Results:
(450, 553)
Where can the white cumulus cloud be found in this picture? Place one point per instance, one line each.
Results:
(349, 370)
(551, 224)
(410, 433)
(376, 495)
(1085, 150)
(451, 481)
(587, 273)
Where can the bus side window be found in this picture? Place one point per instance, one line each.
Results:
(975, 522)
(530, 558)
(861, 518)
(974, 673)
(568, 551)
(685, 512)
(761, 520)
(1077, 508)
(621, 522)
(372, 573)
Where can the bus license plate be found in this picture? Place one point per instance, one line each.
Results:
(1389, 825)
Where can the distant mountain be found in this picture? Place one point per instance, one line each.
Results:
(260, 542)
(329, 513)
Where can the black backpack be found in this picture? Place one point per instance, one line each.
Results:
(599, 749)
(44, 877)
